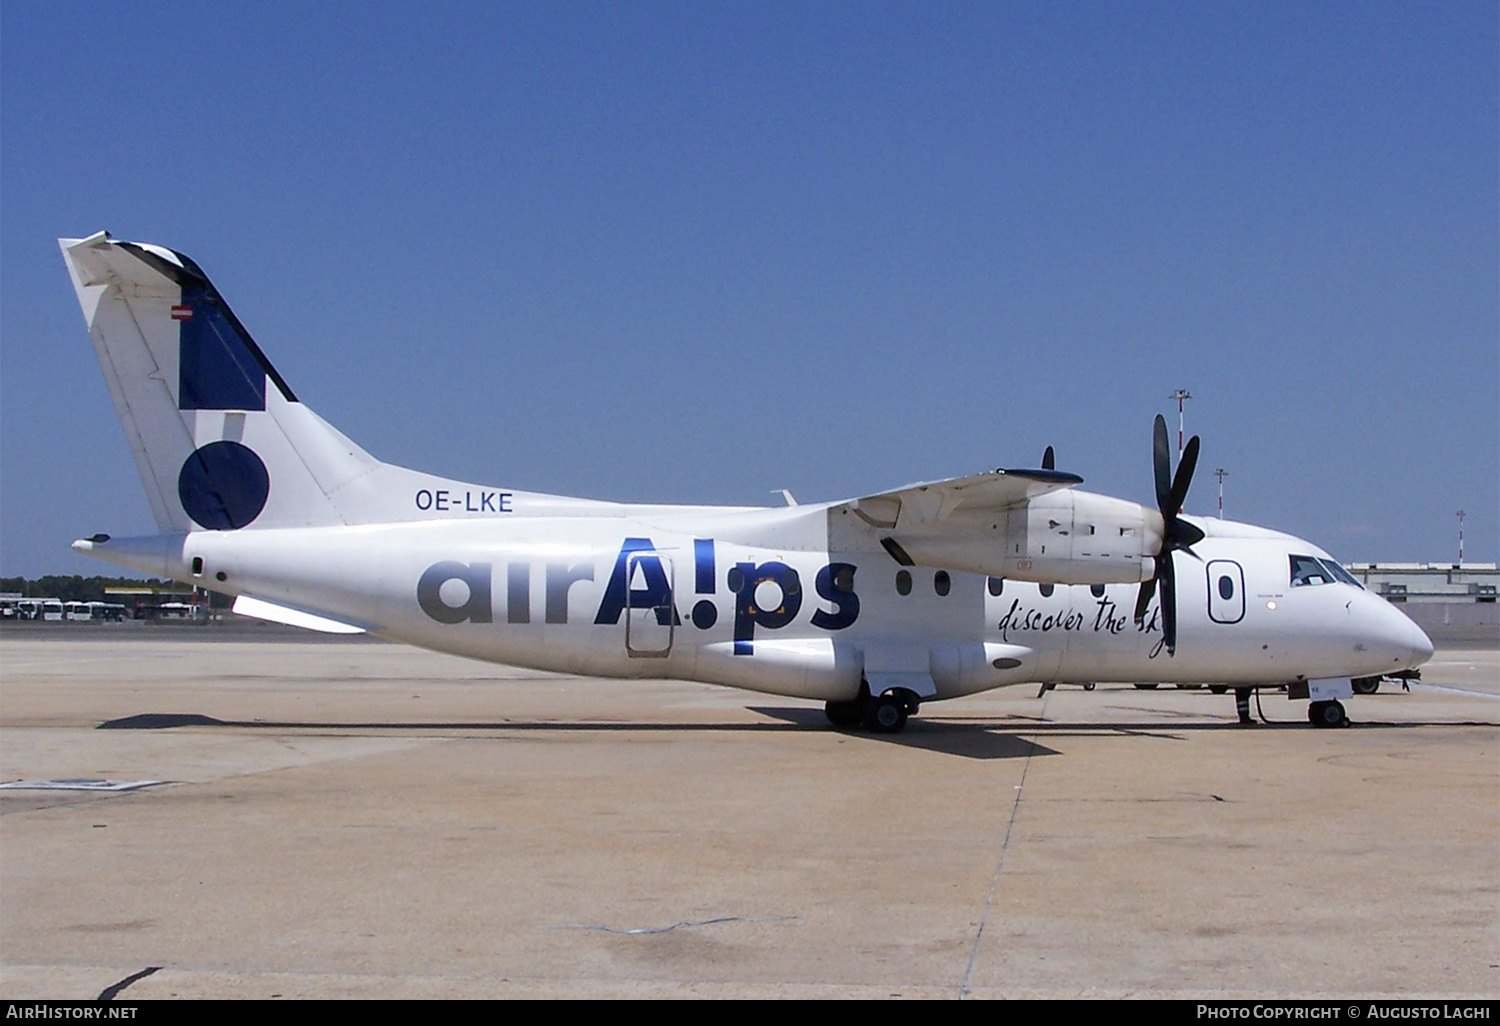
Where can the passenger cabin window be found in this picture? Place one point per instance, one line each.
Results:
(941, 582)
(996, 586)
(903, 582)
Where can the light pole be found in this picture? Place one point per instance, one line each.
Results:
(1221, 474)
(1182, 395)
(1461, 514)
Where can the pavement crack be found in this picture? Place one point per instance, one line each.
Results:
(989, 901)
(643, 930)
(112, 991)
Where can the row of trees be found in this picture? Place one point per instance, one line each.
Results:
(76, 588)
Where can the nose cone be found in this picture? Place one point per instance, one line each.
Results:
(1391, 633)
(1421, 645)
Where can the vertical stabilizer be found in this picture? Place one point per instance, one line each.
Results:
(219, 439)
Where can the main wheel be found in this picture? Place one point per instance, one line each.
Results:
(1366, 685)
(886, 714)
(842, 714)
(1146, 687)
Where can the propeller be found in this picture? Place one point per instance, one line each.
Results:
(1049, 459)
(1177, 534)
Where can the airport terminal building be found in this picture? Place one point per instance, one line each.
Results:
(1450, 601)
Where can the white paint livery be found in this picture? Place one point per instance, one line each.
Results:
(873, 605)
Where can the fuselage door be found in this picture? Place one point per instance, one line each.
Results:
(650, 613)
(1226, 591)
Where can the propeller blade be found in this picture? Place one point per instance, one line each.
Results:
(1143, 599)
(1177, 534)
(1049, 459)
(1168, 575)
(1162, 464)
(1183, 480)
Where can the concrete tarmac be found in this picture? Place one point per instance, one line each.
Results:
(354, 819)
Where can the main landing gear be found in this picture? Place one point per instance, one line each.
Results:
(882, 714)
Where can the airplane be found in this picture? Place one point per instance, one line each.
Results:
(875, 605)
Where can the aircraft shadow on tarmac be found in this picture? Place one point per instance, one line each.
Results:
(970, 738)
(975, 739)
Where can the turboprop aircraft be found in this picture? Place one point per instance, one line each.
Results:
(873, 605)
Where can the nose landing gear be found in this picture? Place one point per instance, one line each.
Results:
(1327, 714)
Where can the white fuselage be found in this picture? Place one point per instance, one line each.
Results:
(754, 598)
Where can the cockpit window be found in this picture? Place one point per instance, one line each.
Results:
(1306, 570)
(1340, 573)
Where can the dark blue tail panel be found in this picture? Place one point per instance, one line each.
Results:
(217, 365)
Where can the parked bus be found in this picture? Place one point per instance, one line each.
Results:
(177, 611)
(95, 612)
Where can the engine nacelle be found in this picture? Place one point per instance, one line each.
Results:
(1063, 537)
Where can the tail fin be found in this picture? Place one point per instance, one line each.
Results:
(219, 439)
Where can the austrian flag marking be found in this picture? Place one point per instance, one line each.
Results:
(182, 313)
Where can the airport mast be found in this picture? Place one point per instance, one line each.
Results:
(1181, 395)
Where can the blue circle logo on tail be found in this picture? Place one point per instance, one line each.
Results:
(223, 486)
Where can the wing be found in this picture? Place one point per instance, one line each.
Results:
(1023, 524)
(933, 500)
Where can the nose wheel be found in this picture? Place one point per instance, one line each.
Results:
(1327, 714)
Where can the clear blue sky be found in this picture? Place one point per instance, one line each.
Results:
(697, 252)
